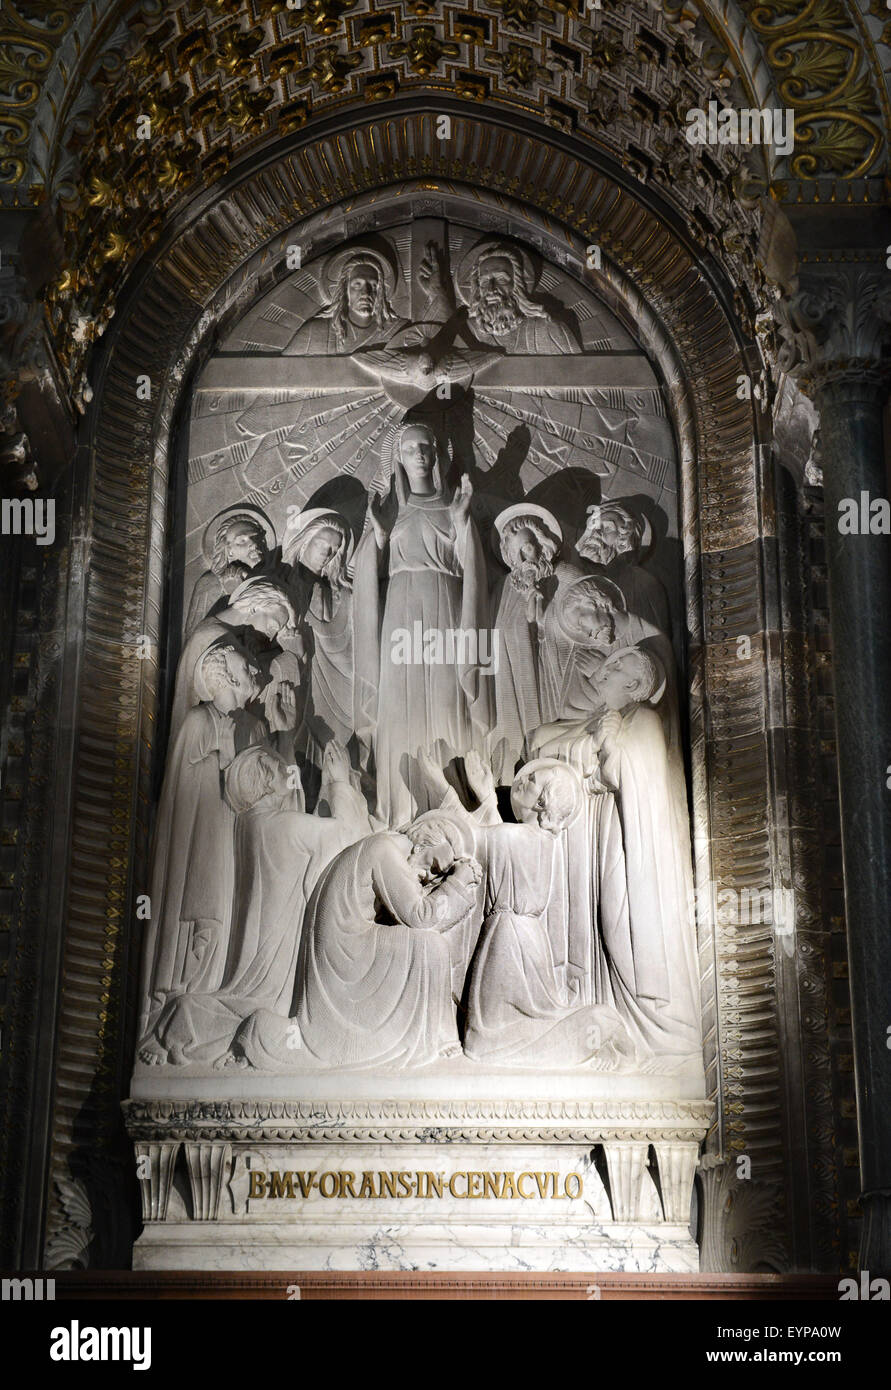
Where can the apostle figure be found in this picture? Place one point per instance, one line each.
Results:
(360, 283)
(639, 859)
(374, 972)
(426, 545)
(530, 538)
(237, 541)
(258, 611)
(518, 1012)
(280, 853)
(497, 281)
(318, 544)
(193, 864)
(580, 626)
(613, 539)
(649, 935)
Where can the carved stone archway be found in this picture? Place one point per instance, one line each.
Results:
(226, 245)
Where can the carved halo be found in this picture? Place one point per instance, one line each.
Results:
(658, 667)
(494, 246)
(299, 525)
(335, 264)
(243, 512)
(546, 764)
(463, 830)
(524, 509)
(608, 589)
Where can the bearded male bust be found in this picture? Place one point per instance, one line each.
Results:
(496, 282)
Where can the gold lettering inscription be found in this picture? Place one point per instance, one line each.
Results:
(463, 1185)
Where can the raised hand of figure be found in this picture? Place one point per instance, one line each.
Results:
(281, 710)
(608, 727)
(588, 660)
(430, 276)
(336, 762)
(466, 872)
(460, 504)
(382, 511)
(433, 774)
(479, 775)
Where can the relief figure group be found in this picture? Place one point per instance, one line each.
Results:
(478, 858)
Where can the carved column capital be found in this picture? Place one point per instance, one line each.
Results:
(837, 327)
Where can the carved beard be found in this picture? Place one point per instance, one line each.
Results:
(528, 575)
(597, 551)
(498, 319)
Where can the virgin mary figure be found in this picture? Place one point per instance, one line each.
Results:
(419, 606)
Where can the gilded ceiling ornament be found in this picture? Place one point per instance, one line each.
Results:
(468, 32)
(375, 30)
(330, 68)
(472, 87)
(605, 51)
(523, 13)
(245, 109)
(191, 49)
(423, 50)
(381, 88)
(287, 57)
(292, 116)
(323, 16)
(233, 52)
(519, 67)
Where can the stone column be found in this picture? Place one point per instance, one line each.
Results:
(848, 310)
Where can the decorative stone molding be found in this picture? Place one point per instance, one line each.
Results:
(208, 1166)
(159, 1157)
(436, 1122)
(844, 308)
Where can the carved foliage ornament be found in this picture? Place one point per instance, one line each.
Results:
(820, 61)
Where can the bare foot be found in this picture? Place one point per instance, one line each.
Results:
(153, 1054)
(229, 1060)
(451, 1050)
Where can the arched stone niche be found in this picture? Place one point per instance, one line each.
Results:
(225, 255)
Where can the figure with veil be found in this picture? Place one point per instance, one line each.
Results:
(419, 568)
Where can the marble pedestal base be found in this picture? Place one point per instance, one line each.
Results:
(471, 1248)
(427, 1185)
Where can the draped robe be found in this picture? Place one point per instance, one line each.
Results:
(373, 982)
(517, 703)
(639, 862)
(436, 583)
(517, 1012)
(193, 865)
(328, 711)
(279, 855)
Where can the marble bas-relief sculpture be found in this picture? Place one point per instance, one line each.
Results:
(236, 542)
(424, 807)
